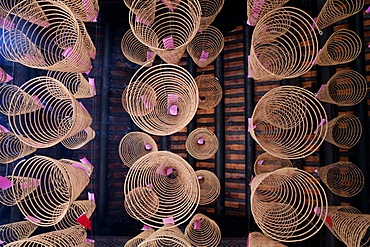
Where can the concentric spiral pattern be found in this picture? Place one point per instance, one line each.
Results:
(210, 91)
(201, 143)
(203, 232)
(209, 186)
(268, 163)
(16, 231)
(256, 9)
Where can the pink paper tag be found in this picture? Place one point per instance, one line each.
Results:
(88, 72)
(7, 23)
(2, 242)
(203, 56)
(260, 162)
(4, 129)
(145, 101)
(313, 23)
(162, 170)
(83, 107)
(249, 124)
(200, 30)
(39, 101)
(249, 23)
(170, 8)
(322, 86)
(169, 171)
(148, 146)
(169, 220)
(250, 182)
(149, 55)
(92, 84)
(317, 210)
(314, 61)
(320, 124)
(139, 20)
(84, 160)
(32, 219)
(149, 186)
(200, 177)
(30, 184)
(91, 196)
(248, 239)
(172, 101)
(86, 130)
(200, 141)
(316, 171)
(92, 54)
(67, 52)
(5, 183)
(145, 227)
(168, 42)
(8, 78)
(197, 224)
(90, 240)
(367, 11)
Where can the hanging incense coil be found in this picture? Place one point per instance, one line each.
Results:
(76, 83)
(342, 178)
(135, 51)
(343, 46)
(167, 235)
(76, 210)
(285, 122)
(86, 166)
(284, 45)
(268, 163)
(22, 106)
(167, 176)
(282, 203)
(12, 148)
(74, 236)
(257, 239)
(201, 143)
(169, 33)
(29, 10)
(16, 231)
(336, 10)
(210, 91)
(80, 139)
(59, 186)
(350, 228)
(210, 10)
(162, 100)
(52, 43)
(135, 145)
(60, 115)
(202, 231)
(206, 46)
(24, 187)
(256, 9)
(85, 10)
(209, 186)
(135, 241)
(345, 88)
(91, 49)
(344, 131)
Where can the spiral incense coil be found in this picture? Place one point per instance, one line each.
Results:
(169, 33)
(209, 186)
(203, 232)
(75, 83)
(256, 9)
(85, 10)
(16, 231)
(282, 204)
(268, 163)
(344, 131)
(135, 51)
(210, 10)
(336, 10)
(80, 139)
(210, 91)
(343, 46)
(285, 122)
(12, 148)
(206, 46)
(135, 145)
(343, 178)
(257, 239)
(22, 106)
(167, 176)
(350, 228)
(74, 236)
(59, 186)
(284, 45)
(76, 210)
(162, 100)
(135, 241)
(53, 43)
(24, 185)
(167, 235)
(29, 10)
(86, 166)
(201, 143)
(345, 88)
(91, 49)
(60, 115)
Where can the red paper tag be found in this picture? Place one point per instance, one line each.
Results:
(84, 221)
(328, 220)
